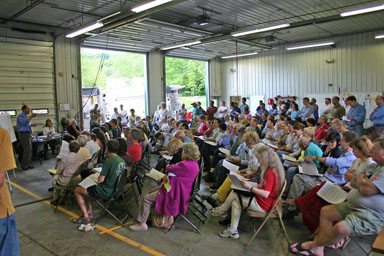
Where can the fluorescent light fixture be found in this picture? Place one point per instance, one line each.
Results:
(180, 45)
(239, 55)
(310, 46)
(379, 36)
(86, 29)
(259, 30)
(149, 5)
(361, 11)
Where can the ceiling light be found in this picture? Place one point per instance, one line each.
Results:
(149, 5)
(310, 46)
(379, 36)
(361, 11)
(239, 55)
(259, 30)
(180, 45)
(86, 29)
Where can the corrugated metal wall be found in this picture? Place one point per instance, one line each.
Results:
(27, 77)
(155, 77)
(358, 67)
(68, 79)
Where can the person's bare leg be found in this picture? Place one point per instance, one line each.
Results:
(79, 194)
(327, 235)
(88, 202)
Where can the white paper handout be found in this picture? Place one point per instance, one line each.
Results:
(308, 168)
(231, 167)
(167, 157)
(211, 143)
(269, 143)
(90, 180)
(332, 193)
(289, 158)
(201, 137)
(98, 169)
(236, 183)
(155, 174)
(225, 151)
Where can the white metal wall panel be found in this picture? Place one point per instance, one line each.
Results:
(68, 79)
(358, 67)
(155, 90)
(27, 77)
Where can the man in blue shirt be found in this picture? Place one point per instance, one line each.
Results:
(261, 110)
(235, 110)
(307, 110)
(243, 104)
(356, 116)
(377, 116)
(25, 132)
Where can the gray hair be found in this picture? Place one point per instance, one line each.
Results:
(136, 134)
(191, 151)
(82, 139)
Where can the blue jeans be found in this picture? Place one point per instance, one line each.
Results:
(358, 129)
(9, 242)
(289, 175)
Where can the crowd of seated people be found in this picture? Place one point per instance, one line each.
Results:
(306, 147)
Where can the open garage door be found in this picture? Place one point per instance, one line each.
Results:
(27, 77)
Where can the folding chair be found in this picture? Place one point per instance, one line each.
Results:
(197, 207)
(67, 191)
(193, 194)
(275, 213)
(121, 181)
(132, 180)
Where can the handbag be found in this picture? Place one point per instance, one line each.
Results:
(161, 221)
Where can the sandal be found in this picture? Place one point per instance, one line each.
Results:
(81, 220)
(299, 249)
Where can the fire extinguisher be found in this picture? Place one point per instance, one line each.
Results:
(270, 101)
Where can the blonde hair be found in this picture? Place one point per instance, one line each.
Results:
(363, 144)
(189, 134)
(174, 145)
(268, 159)
(310, 131)
(244, 122)
(251, 137)
(191, 151)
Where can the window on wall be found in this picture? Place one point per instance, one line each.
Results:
(119, 79)
(186, 82)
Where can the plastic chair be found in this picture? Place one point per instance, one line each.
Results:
(121, 181)
(275, 213)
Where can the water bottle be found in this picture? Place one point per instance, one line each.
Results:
(37, 137)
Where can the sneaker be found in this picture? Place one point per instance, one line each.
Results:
(229, 234)
(138, 227)
(216, 212)
(213, 188)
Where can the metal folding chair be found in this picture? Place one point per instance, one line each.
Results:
(193, 194)
(275, 213)
(121, 181)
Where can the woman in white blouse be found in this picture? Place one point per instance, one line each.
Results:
(48, 128)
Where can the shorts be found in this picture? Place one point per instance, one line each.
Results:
(92, 192)
(360, 221)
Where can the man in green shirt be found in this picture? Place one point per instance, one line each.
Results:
(106, 183)
(95, 117)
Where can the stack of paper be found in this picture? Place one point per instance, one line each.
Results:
(231, 167)
(332, 193)
(289, 158)
(98, 169)
(167, 157)
(211, 143)
(269, 143)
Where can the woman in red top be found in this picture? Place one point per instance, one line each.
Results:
(272, 178)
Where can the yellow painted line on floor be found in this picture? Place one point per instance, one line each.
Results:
(101, 228)
(114, 228)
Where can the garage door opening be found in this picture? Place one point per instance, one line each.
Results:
(186, 82)
(117, 78)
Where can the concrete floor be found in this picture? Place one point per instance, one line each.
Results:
(42, 231)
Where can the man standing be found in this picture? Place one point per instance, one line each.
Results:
(211, 111)
(338, 110)
(163, 112)
(235, 110)
(222, 111)
(328, 109)
(243, 104)
(25, 137)
(182, 114)
(115, 113)
(377, 116)
(123, 114)
(307, 110)
(9, 244)
(356, 116)
(95, 117)
(196, 110)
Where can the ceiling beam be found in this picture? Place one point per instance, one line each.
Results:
(24, 10)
